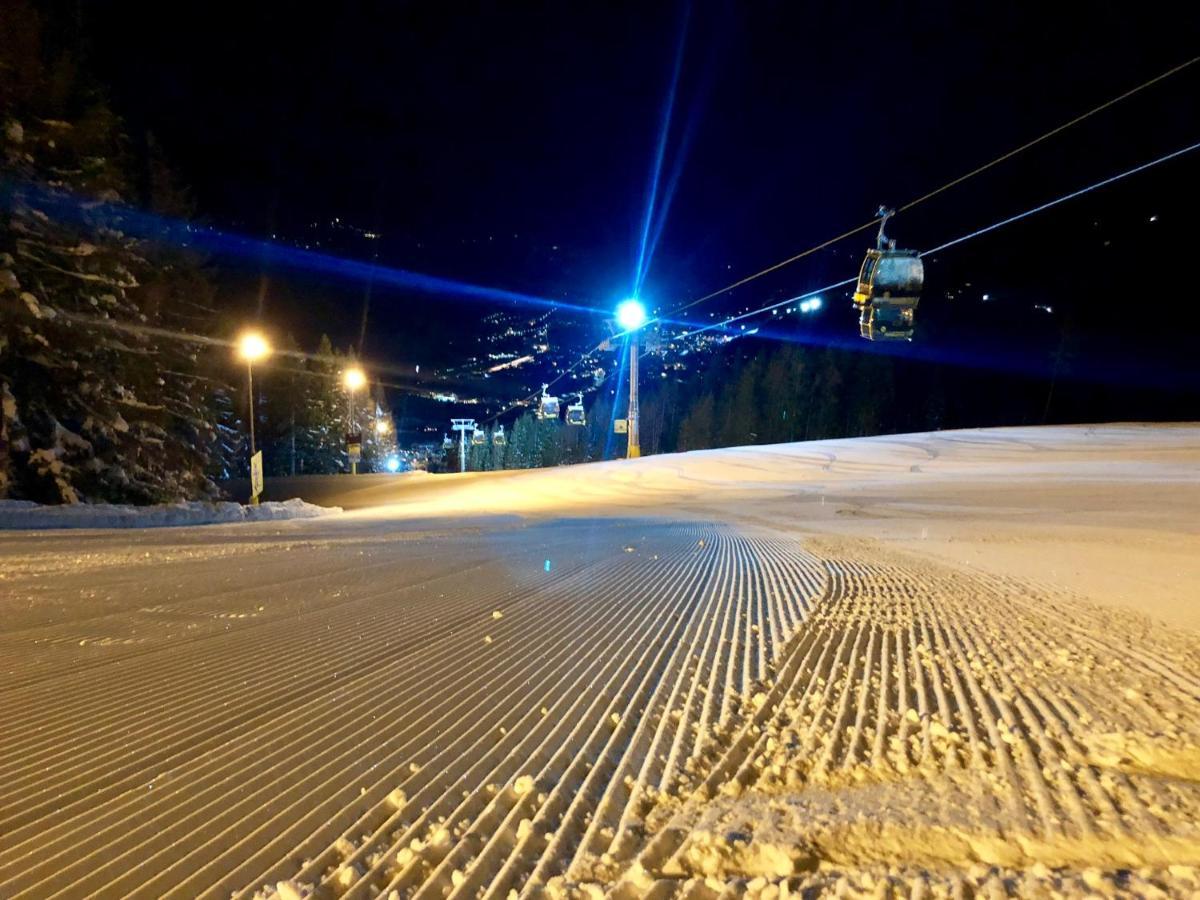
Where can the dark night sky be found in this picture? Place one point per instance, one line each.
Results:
(510, 144)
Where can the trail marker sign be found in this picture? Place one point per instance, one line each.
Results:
(256, 475)
(620, 426)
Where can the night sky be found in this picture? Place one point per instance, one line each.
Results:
(511, 145)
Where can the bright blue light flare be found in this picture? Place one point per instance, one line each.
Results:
(656, 211)
(631, 314)
(73, 209)
(393, 464)
(810, 305)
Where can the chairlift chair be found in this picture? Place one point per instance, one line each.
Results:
(889, 288)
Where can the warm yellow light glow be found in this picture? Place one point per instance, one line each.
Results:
(383, 426)
(251, 346)
(354, 378)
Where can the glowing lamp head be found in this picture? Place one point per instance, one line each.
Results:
(393, 464)
(383, 426)
(631, 314)
(252, 346)
(354, 378)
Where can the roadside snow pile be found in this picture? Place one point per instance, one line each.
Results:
(25, 514)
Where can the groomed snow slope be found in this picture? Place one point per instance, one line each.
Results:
(748, 672)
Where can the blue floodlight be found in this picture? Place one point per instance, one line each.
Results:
(631, 314)
(393, 464)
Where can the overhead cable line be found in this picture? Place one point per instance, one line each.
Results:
(949, 184)
(874, 221)
(958, 240)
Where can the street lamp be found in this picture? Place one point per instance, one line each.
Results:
(382, 427)
(251, 345)
(631, 315)
(353, 379)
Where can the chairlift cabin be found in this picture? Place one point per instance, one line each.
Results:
(889, 289)
(447, 443)
(547, 406)
(478, 437)
(575, 413)
(498, 438)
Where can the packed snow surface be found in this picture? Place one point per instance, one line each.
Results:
(942, 664)
(17, 514)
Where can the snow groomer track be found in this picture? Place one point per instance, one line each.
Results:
(577, 707)
(472, 727)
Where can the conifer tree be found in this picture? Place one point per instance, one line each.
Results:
(101, 399)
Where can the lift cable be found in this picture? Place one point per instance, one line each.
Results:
(873, 222)
(958, 240)
(949, 184)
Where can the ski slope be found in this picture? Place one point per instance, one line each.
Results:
(935, 663)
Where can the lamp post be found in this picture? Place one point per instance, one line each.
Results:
(353, 379)
(631, 316)
(251, 345)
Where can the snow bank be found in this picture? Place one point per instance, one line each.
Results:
(24, 514)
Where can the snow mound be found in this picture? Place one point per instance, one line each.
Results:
(15, 514)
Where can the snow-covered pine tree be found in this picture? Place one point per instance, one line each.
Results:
(321, 417)
(91, 409)
(377, 445)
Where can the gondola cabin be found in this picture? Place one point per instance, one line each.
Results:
(888, 291)
(886, 323)
(575, 414)
(548, 407)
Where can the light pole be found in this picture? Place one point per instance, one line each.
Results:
(631, 316)
(383, 446)
(462, 426)
(251, 345)
(353, 379)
